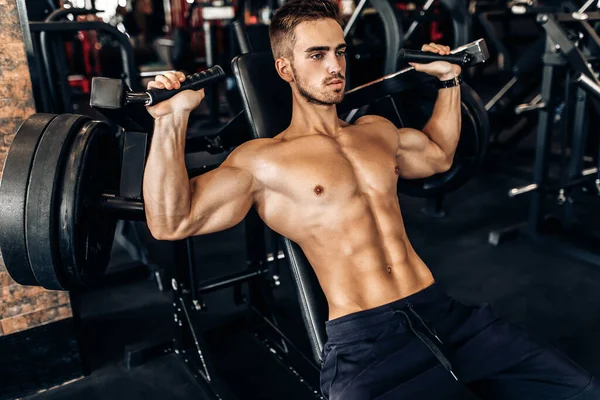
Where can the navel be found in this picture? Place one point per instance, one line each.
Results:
(318, 190)
(397, 170)
(389, 269)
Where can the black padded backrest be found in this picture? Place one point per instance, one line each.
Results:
(267, 98)
(267, 103)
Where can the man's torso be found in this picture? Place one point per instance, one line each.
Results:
(336, 197)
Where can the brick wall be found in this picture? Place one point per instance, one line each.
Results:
(21, 307)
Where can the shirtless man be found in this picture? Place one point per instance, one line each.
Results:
(331, 188)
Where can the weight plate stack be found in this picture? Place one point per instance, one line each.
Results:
(43, 196)
(86, 233)
(13, 195)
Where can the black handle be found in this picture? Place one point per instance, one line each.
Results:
(427, 57)
(193, 82)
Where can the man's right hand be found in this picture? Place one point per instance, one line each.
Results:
(182, 103)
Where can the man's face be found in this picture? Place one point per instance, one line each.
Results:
(319, 64)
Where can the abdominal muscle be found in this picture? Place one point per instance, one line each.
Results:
(362, 257)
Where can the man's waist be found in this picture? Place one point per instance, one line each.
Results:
(430, 301)
(354, 286)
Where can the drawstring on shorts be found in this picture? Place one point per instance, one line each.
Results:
(427, 341)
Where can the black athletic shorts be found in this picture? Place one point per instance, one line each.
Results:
(430, 346)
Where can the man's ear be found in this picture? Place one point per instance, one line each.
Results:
(284, 69)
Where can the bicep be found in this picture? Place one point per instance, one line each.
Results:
(417, 155)
(220, 199)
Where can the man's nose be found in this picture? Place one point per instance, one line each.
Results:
(335, 66)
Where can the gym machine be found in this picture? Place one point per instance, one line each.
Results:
(572, 47)
(513, 83)
(61, 209)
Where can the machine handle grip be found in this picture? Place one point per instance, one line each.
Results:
(193, 82)
(427, 57)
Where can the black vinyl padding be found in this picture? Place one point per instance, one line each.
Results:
(267, 101)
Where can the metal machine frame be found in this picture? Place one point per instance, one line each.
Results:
(561, 232)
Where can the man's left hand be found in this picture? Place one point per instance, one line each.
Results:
(440, 69)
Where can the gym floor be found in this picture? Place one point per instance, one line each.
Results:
(553, 296)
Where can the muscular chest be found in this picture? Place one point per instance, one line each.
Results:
(325, 170)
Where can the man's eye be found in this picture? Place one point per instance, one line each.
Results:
(317, 56)
(341, 53)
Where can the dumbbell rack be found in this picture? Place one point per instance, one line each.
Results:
(561, 233)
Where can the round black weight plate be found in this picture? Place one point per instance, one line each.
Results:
(13, 192)
(86, 234)
(41, 229)
(417, 107)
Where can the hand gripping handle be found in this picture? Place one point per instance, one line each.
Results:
(427, 57)
(193, 82)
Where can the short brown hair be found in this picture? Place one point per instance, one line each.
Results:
(291, 14)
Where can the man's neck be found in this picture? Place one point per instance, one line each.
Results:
(314, 119)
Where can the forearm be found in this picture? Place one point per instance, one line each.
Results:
(166, 186)
(443, 128)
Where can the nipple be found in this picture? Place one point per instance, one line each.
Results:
(397, 170)
(319, 190)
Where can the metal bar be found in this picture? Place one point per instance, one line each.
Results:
(188, 321)
(212, 92)
(580, 14)
(45, 50)
(514, 192)
(579, 133)
(213, 390)
(591, 32)
(167, 12)
(191, 260)
(284, 338)
(588, 84)
(62, 79)
(371, 91)
(564, 134)
(152, 74)
(40, 85)
(208, 44)
(354, 17)
(229, 280)
(540, 167)
(568, 17)
(122, 208)
(417, 21)
(573, 55)
(534, 104)
(581, 178)
(501, 93)
(578, 144)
